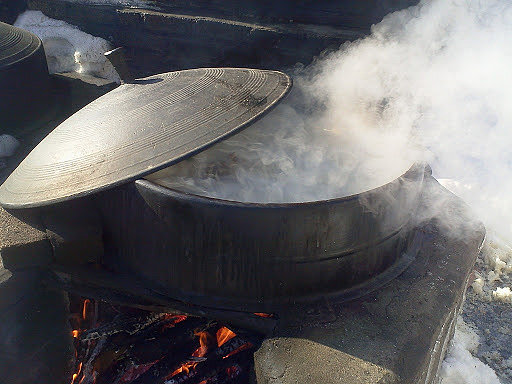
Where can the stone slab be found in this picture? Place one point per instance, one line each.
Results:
(10, 9)
(162, 40)
(23, 241)
(398, 334)
(36, 345)
(78, 89)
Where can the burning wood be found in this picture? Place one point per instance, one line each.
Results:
(126, 346)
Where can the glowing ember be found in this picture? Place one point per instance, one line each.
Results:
(173, 320)
(261, 314)
(184, 368)
(204, 342)
(147, 349)
(86, 309)
(75, 375)
(223, 335)
(242, 348)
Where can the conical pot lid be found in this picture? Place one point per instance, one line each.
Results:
(16, 44)
(139, 128)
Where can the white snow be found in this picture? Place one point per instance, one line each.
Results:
(8, 145)
(460, 366)
(67, 48)
(502, 294)
(478, 285)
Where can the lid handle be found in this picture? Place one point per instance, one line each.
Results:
(118, 60)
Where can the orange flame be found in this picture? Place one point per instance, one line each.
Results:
(75, 333)
(242, 348)
(75, 375)
(84, 309)
(261, 314)
(173, 320)
(186, 367)
(203, 342)
(224, 335)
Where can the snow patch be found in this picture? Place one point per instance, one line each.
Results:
(67, 48)
(502, 294)
(460, 365)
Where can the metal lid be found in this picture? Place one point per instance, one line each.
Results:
(139, 128)
(16, 44)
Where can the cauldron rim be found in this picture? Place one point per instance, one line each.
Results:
(417, 168)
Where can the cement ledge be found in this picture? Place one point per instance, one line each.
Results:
(398, 334)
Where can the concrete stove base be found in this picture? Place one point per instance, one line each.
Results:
(398, 334)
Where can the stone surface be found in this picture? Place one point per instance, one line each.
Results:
(492, 321)
(10, 9)
(23, 241)
(78, 89)
(35, 335)
(166, 36)
(398, 334)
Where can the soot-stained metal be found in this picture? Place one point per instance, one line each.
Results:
(24, 78)
(139, 128)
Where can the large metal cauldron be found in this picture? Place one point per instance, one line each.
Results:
(256, 256)
(24, 78)
(199, 249)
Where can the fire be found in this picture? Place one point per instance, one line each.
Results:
(184, 368)
(75, 333)
(75, 375)
(261, 314)
(87, 302)
(242, 348)
(173, 320)
(224, 335)
(205, 341)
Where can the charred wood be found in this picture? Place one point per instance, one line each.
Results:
(128, 290)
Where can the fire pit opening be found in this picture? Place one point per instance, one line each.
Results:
(118, 345)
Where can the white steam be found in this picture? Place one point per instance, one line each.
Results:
(436, 76)
(432, 82)
(288, 156)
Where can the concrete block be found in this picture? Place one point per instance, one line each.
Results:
(398, 334)
(36, 345)
(23, 241)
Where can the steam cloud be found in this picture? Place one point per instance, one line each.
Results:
(436, 76)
